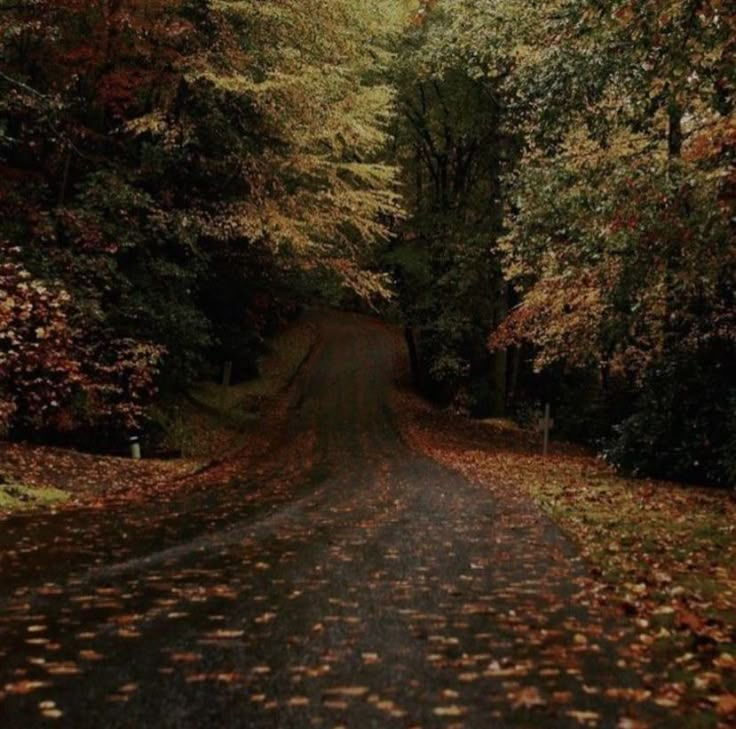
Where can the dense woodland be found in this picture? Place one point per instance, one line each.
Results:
(543, 193)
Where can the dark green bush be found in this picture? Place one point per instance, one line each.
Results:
(683, 423)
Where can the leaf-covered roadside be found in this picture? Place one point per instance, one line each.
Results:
(215, 426)
(83, 477)
(662, 554)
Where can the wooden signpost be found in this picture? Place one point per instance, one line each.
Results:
(545, 424)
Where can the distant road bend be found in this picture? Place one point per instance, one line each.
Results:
(349, 582)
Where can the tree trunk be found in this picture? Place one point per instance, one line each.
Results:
(675, 137)
(411, 345)
(514, 376)
(65, 178)
(500, 360)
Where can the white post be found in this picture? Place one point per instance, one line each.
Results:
(135, 448)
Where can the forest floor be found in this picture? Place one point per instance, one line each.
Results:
(203, 427)
(661, 553)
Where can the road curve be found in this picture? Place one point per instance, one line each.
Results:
(351, 583)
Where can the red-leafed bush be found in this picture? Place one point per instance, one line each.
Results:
(54, 375)
(39, 367)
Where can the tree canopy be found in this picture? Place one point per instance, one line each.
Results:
(542, 191)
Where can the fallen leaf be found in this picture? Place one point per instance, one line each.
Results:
(352, 691)
(451, 710)
(726, 705)
(527, 698)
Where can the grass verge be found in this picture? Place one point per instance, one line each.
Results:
(18, 497)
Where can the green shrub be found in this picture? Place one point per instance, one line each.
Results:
(683, 424)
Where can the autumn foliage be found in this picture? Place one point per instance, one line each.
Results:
(608, 209)
(170, 172)
(52, 377)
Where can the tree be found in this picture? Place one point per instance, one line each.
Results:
(148, 147)
(621, 242)
(454, 147)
